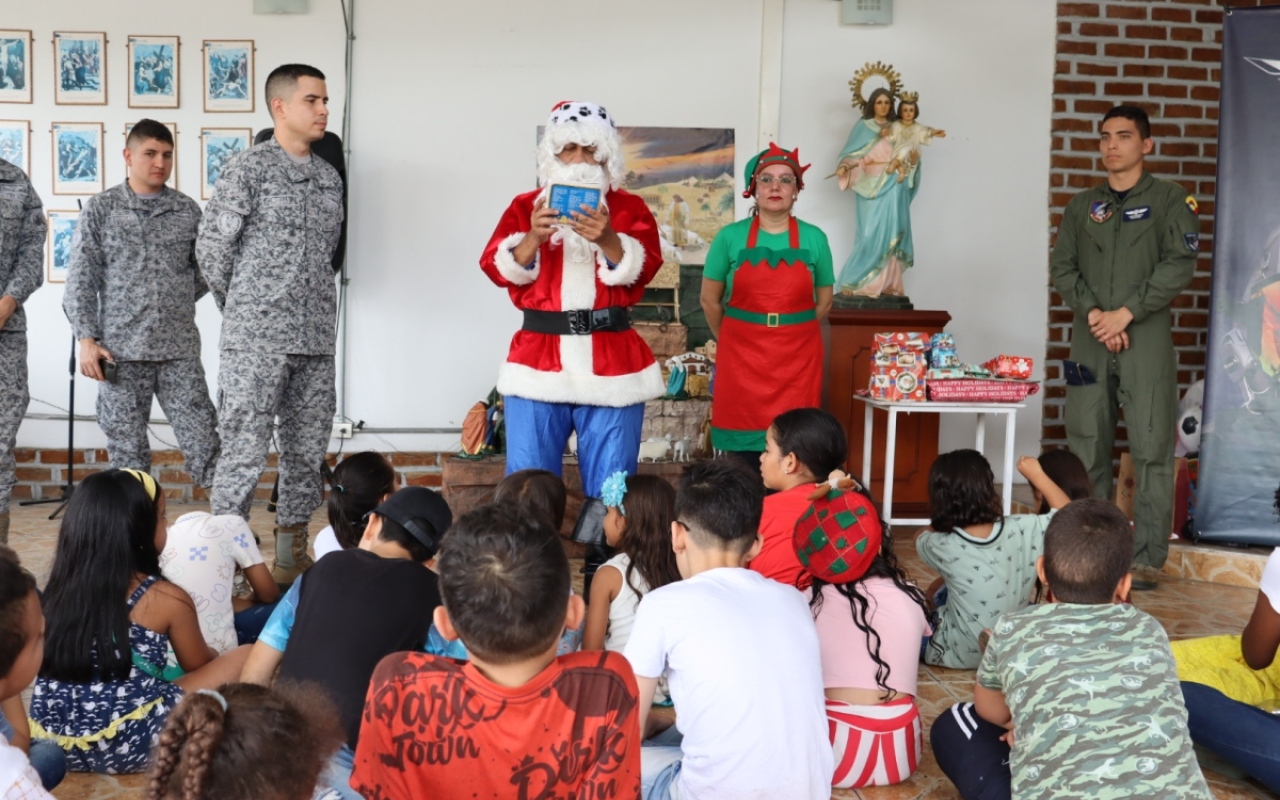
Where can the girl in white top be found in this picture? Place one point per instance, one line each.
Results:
(641, 529)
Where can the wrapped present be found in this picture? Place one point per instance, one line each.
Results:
(899, 383)
(970, 390)
(975, 371)
(1018, 367)
(896, 342)
(943, 358)
(942, 341)
(945, 373)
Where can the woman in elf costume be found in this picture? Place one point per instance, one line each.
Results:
(766, 285)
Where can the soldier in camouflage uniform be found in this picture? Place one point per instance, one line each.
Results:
(131, 298)
(265, 247)
(22, 234)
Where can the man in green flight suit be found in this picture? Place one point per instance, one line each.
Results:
(1125, 250)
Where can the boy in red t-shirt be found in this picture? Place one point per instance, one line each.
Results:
(514, 721)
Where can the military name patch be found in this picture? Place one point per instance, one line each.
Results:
(1135, 214)
(229, 223)
(1192, 240)
(1100, 210)
(1193, 205)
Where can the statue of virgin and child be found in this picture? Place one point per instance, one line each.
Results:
(881, 163)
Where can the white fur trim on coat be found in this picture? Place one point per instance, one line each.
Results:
(614, 391)
(629, 268)
(511, 269)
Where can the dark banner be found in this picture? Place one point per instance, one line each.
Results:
(1240, 444)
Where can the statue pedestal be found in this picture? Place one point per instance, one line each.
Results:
(852, 345)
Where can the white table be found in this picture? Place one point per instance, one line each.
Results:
(894, 408)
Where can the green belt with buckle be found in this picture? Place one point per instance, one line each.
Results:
(771, 320)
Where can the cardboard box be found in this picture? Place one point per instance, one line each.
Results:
(944, 341)
(899, 383)
(943, 358)
(895, 342)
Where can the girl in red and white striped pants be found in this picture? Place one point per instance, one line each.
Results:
(871, 620)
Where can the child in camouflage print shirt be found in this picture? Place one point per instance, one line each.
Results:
(1083, 689)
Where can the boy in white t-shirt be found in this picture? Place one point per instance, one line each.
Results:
(201, 555)
(741, 654)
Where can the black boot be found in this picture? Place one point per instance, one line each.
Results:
(589, 530)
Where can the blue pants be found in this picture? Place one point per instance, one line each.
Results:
(250, 622)
(608, 438)
(1247, 737)
(660, 760)
(969, 752)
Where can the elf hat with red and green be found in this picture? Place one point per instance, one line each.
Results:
(767, 158)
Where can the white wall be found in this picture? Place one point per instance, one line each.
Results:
(984, 72)
(317, 38)
(446, 98)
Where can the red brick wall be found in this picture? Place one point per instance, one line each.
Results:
(42, 473)
(1164, 56)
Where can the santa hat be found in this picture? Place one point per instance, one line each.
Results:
(766, 158)
(589, 125)
(839, 536)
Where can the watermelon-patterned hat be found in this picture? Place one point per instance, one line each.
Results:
(838, 537)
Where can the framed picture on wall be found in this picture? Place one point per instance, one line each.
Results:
(15, 66)
(153, 72)
(228, 75)
(172, 183)
(217, 145)
(77, 157)
(62, 230)
(15, 143)
(80, 63)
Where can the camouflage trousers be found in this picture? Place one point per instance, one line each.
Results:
(13, 404)
(125, 406)
(254, 391)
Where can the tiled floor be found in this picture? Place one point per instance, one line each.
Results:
(1186, 608)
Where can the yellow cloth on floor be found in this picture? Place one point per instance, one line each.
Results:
(1216, 661)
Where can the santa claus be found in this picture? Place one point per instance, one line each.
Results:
(576, 364)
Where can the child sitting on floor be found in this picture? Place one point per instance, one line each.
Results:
(802, 447)
(1083, 687)
(870, 620)
(21, 649)
(1065, 469)
(358, 605)
(516, 720)
(201, 554)
(638, 522)
(741, 654)
(109, 620)
(246, 742)
(360, 482)
(987, 560)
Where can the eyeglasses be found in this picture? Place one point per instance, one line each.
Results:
(769, 180)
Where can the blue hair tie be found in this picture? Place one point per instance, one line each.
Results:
(613, 490)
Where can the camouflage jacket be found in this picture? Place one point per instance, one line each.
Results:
(133, 281)
(266, 246)
(22, 234)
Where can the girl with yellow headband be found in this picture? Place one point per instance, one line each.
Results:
(110, 620)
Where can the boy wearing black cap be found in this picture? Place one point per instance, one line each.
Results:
(357, 606)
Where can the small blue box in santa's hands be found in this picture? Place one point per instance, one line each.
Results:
(566, 197)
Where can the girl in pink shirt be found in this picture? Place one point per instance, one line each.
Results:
(870, 620)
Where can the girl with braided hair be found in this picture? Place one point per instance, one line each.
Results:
(246, 742)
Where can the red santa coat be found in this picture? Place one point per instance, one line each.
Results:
(605, 368)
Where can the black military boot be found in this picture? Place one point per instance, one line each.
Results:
(589, 530)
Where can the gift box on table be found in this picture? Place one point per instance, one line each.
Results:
(943, 358)
(899, 383)
(1018, 367)
(942, 341)
(896, 342)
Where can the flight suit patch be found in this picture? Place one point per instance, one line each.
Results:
(1192, 240)
(1193, 205)
(1135, 214)
(1101, 210)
